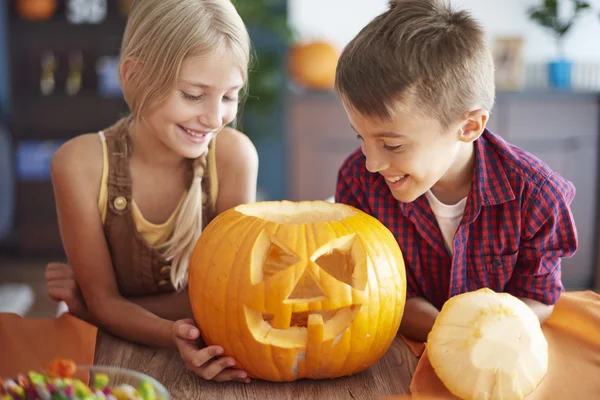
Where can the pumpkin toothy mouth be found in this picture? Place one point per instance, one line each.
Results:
(304, 327)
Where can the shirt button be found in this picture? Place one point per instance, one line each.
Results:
(165, 270)
(496, 263)
(163, 283)
(120, 203)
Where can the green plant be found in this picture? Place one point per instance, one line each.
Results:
(546, 14)
(267, 22)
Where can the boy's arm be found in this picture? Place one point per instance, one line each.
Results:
(548, 234)
(418, 319)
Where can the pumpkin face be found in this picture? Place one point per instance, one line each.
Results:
(487, 345)
(298, 290)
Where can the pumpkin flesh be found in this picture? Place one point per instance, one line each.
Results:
(487, 345)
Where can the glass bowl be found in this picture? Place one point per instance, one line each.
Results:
(117, 376)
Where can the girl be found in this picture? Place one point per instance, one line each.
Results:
(132, 200)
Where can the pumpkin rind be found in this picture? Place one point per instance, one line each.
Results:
(347, 322)
(487, 345)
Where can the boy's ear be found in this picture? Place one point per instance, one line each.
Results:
(473, 124)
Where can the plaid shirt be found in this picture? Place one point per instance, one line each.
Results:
(516, 226)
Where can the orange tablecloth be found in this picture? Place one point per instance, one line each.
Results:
(573, 334)
(29, 344)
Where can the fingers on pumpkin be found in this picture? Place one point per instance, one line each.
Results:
(185, 329)
(204, 356)
(220, 370)
(232, 375)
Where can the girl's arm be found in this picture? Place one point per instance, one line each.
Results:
(76, 171)
(237, 169)
(62, 286)
(171, 306)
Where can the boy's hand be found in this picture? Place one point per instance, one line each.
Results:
(541, 310)
(418, 319)
(205, 362)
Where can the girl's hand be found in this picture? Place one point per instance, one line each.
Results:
(62, 286)
(205, 362)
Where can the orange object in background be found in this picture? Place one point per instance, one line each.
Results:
(313, 64)
(36, 10)
(125, 6)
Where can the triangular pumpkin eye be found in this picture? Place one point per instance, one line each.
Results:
(341, 258)
(270, 256)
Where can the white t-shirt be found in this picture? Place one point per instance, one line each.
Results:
(448, 217)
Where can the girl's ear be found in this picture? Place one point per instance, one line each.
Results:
(129, 68)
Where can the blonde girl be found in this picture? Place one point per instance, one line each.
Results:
(132, 199)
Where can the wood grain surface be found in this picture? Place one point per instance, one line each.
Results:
(390, 376)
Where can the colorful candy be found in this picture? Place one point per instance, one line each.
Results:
(58, 383)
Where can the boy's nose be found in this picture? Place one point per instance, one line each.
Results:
(375, 162)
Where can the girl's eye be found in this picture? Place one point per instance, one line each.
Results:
(392, 148)
(190, 97)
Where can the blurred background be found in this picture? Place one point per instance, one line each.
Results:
(58, 61)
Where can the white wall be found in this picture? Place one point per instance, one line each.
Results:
(339, 20)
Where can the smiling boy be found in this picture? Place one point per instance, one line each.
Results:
(468, 209)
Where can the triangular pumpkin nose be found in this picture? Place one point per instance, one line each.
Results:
(306, 289)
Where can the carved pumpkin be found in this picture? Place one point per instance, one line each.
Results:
(313, 64)
(298, 290)
(36, 10)
(487, 345)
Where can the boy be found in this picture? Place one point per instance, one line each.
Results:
(468, 209)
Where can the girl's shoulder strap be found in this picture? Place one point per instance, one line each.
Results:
(212, 172)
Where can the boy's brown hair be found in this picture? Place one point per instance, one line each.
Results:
(420, 54)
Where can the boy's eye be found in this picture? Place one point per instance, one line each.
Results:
(392, 148)
(190, 97)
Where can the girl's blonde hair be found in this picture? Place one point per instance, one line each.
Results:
(159, 36)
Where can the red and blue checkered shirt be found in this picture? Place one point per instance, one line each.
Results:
(516, 226)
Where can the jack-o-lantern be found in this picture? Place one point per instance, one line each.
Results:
(298, 290)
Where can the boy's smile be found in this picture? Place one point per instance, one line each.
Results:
(415, 155)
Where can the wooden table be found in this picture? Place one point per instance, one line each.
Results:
(390, 376)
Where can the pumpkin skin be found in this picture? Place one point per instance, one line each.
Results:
(36, 10)
(489, 346)
(298, 290)
(313, 64)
